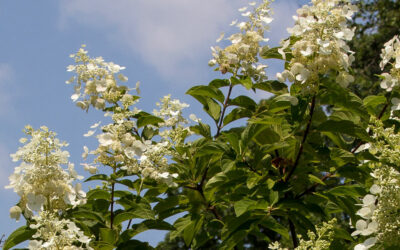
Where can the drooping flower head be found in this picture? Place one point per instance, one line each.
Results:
(318, 43)
(241, 57)
(40, 179)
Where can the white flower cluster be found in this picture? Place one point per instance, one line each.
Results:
(120, 147)
(243, 53)
(321, 240)
(318, 43)
(391, 55)
(96, 81)
(171, 112)
(380, 209)
(53, 234)
(40, 180)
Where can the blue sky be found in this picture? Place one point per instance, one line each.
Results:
(163, 44)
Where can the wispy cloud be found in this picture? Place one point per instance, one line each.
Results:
(173, 36)
(168, 35)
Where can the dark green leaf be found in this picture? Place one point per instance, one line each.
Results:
(218, 83)
(274, 87)
(345, 127)
(147, 119)
(98, 194)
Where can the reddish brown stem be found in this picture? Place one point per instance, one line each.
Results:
(296, 163)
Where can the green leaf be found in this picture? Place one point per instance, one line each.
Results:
(20, 235)
(235, 224)
(373, 101)
(233, 140)
(102, 245)
(121, 217)
(282, 102)
(142, 210)
(345, 127)
(191, 230)
(127, 183)
(149, 133)
(236, 114)
(181, 224)
(340, 233)
(152, 225)
(202, 129)
(274, 87)
(148, 119)
(234, 80)
(87, 214)
(341, 156)
(315, 179)
(101, 177)
(242, 206)
(213, 109)
(270, 53)
(247, 83)
(273, 225)
(243, 101)
(218, 83)
(134, 244)
(273, 197)
(206, 91)
(215, 181)
(347, 190)
(98, 194)
(108, 235)
(170, 202)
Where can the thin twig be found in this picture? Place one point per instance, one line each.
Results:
(293, 233)
(296, 163)
(220, 125)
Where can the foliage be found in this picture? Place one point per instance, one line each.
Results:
(376, 23)
(291, 176)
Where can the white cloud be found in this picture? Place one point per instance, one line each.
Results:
(173, 36)
(169, 35)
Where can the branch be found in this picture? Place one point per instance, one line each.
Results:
(293, 233)
(296, 163)
(220, 125)
(199, 188)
